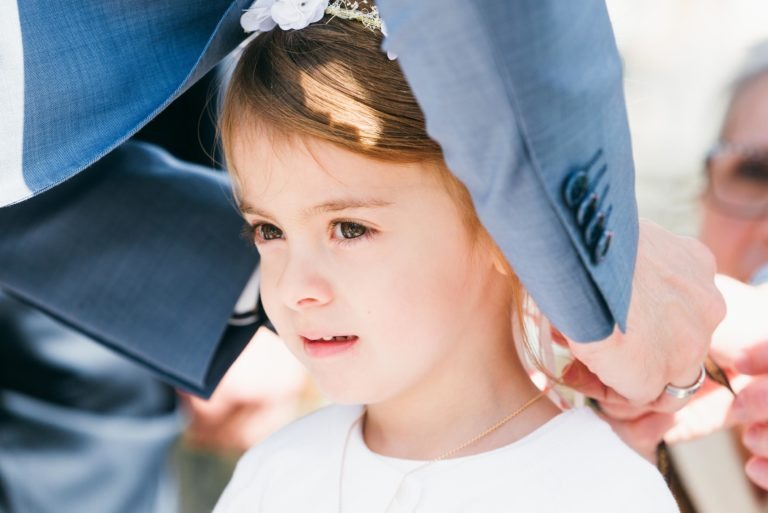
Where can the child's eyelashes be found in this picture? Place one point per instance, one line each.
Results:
(345, 231)
(261, 232)
(265, 232)
(342, 231)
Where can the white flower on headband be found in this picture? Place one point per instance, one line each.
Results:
(258, 18)
(263, 15)
(297, 14)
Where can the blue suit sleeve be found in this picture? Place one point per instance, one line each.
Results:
(142, 253)
(525, 98)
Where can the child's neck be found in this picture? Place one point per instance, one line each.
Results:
(445, 411)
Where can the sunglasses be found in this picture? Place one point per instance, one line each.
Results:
(738, 180)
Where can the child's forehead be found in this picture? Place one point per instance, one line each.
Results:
(275, 162)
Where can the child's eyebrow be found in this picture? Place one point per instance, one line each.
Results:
(345, 204)
(328, 206)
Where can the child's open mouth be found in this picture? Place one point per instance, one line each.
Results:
(328, 346)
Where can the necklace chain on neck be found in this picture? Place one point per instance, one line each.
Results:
(445, 455)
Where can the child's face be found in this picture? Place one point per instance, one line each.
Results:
(375, 252)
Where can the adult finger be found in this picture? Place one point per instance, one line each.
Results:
(643, 434)
(613, 404)
(707, 413)
(755, 438)
(578, 377)
(753, 359)
(702, 417)
(667, 403)
(751, 404)
(757, 470)
(623, 411)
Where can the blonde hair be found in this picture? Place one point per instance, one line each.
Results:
(331, 81)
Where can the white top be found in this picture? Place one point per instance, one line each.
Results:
(572, 463)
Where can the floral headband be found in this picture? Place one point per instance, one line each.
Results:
(264, 15)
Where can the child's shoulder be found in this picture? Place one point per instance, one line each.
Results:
(582, 432)
(573, 462)
(585, 451)
(316, 431)
(305, 439)
(299, 452)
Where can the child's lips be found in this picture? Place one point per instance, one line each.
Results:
(328, 346)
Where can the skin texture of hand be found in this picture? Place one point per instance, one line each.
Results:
(260, 393)
(740, 347)
(675, 307)
(713, 408)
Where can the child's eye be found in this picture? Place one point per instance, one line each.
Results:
(348, 230)
(265, 232)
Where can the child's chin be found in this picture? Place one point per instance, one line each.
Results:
(346, 395)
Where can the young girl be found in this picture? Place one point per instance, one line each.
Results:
(379, 277)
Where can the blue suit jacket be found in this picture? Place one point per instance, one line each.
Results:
(141, 252)
(81, 429)
(526, 99)
(524, 96)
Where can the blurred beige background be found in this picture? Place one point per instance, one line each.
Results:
(678, 57)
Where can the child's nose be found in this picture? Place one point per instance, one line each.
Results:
(302, 285)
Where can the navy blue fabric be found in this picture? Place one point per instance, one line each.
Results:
(81, 429)
(143, 253)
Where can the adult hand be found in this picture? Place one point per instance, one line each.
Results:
(711, 409)
(674, 310)
(740, 348)
(751, 409)
(259, 394)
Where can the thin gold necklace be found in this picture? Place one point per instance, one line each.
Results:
(443, 456)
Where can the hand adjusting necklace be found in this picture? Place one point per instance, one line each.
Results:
(443, 456)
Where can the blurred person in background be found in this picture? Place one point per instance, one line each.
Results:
(81, 428)
(735, 227)
(734, 222)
